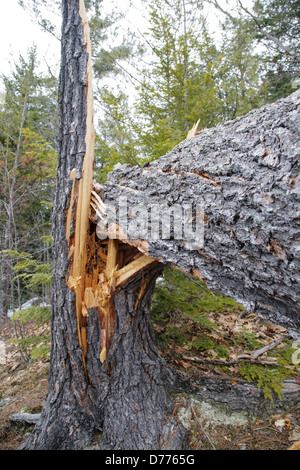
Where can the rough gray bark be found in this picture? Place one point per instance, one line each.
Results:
(245, 174)
(126, 395)
(65, 421)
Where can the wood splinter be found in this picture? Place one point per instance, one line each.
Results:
(110, 265)
(98, 205)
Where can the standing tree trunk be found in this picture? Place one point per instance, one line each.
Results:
(105, 372)
(66, 422)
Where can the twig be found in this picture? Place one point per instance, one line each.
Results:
(261, 351)
(242, 358)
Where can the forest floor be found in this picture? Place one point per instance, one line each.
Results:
(196, 348)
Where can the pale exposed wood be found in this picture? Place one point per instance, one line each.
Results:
(96, 209)
(99, 204)
(83, 340)
(112, 254)
(295, 446)
(103, 352)
(89, 298)
(120, 260)
(125, 273)
(102, 255)
(84, 310)
(105, 285)
(193, 131)
(141, 293)
(74, 282)
(71, 251)
(83, 188)
(88, 281)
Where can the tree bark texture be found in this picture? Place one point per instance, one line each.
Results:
(245, 175)
(65, 421)
(129, 392)
(105, 372)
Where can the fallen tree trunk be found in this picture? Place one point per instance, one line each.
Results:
(244, 175)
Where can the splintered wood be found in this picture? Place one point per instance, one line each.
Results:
(77, 216)
(110, 265)
(97, 267)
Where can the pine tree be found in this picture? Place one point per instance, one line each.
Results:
(277, 27)
(179, 87)
(240, 82)
(274, 27)
(28, 160)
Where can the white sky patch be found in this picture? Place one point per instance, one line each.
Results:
(18, 32)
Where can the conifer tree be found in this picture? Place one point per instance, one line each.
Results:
(277, 27)
(180, 86)
(28, 122)
(240, 84)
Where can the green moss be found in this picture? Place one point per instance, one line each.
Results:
(283, 355)
(203, 343)
(247, 339)
(222, 351)
(176, 334)
(176, 291)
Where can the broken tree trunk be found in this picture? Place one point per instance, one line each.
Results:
(244, 177)
(105, 371)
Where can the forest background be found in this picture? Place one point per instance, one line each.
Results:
(155, 74)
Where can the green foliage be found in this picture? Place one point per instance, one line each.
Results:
(177, 294)
(268, 378)
(203, 343)
(115, 143)
(34, 346)
(37, 346)
(179, 87)
(176, 291)
(277, 27)
(40, 155)
(240, 85)
(176, 334)
(35, 275)
(28, 138)
(283, 355)
(247, 339)
(33, 272)
(39, 315)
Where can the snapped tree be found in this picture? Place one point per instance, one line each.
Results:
(105, 371)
